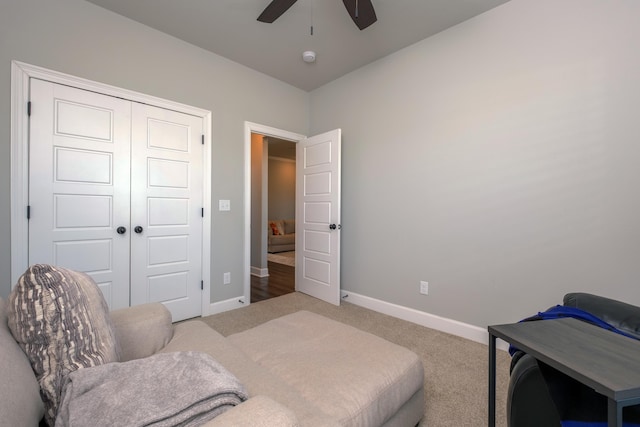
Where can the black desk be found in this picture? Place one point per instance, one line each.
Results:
(603, 360)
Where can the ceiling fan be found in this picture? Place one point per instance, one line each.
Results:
(361, 11)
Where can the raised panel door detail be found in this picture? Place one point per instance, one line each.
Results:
(317, 213)
(79, 166)
(89, 256)
(317, 241)
(167, 211)
(79, 211)
(168, 136)
(317, 154)
(316, 270)
(317, 184)
(83, 121)
(168, 250)
(168, 173)
(107, 292)
(168, 287)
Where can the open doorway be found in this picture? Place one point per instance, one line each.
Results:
(262, 142)
(273, 210)
(317, 222)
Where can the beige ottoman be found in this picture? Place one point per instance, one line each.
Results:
(353, 376)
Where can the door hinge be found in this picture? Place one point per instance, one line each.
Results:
(28, 212)
(202, 285)
(202, 213)
(29, 108)
(202, 139)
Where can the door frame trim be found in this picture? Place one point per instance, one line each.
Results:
(250, 128)
(21, 73)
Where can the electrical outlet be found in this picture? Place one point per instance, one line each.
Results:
(226, 278)
(424, 288)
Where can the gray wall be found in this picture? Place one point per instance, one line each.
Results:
(282, 189)
(78, 38)
(498, 160)
(259, 205)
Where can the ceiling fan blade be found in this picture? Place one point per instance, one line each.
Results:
(274, 10)
(361, 11)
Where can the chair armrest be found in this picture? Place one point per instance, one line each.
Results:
(623, 316)
(258, 411)
(141, 331)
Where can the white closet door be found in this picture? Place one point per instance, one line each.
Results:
(166, 209)
(79, 184)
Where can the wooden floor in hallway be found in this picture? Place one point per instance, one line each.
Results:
(281, 281)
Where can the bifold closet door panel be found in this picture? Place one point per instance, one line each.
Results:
(79, 184)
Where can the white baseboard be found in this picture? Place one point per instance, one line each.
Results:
(450, 326)
(227, 305)
(443, 324)
(259, 272)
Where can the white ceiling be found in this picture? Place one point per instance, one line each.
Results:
(229, 28)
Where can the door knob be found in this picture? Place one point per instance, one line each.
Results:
(121, 230)
(138, 229)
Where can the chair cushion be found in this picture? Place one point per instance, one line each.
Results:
(20, 403)
(356, 377)
(287, 239)
(195, 335)
(61, 320)
(289, 226)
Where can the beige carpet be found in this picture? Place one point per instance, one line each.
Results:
(455, 368)
(286, 258)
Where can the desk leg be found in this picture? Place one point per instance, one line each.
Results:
(492, 380)
(614, 414)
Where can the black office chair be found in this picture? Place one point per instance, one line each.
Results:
(541, 396)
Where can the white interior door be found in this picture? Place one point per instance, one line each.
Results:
(79, 185)
(116, 191)
(166, 209)
(318, 216)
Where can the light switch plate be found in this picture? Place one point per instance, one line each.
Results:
(224, 205)
(424, 287)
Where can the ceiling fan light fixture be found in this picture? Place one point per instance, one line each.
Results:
(309, 56)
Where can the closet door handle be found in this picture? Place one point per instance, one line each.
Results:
(121, 230)
(138, 229)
